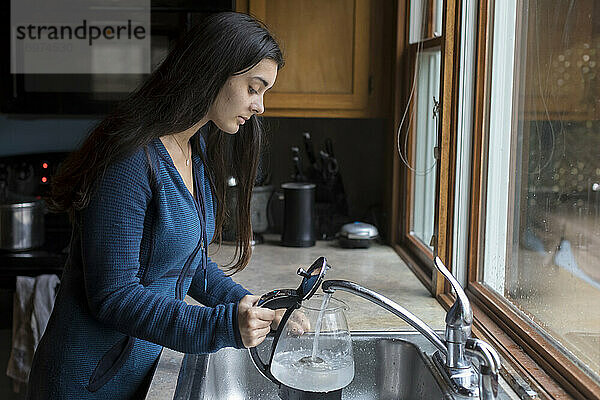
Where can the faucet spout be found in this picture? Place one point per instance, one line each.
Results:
(329, 286)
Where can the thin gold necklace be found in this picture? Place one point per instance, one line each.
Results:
(187, 157)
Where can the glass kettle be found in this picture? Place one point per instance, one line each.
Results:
(311, 353)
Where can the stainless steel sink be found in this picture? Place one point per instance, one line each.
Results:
(388, 365)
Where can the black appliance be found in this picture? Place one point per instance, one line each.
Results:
(94, 94)
(30, 175)
(322, 169)
(299, 214)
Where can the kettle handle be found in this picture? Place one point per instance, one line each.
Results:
(284, 298)
(280, 298)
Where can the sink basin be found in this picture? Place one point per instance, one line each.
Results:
(388, 365)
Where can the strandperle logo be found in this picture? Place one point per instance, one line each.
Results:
(83, 32)
(80, 37)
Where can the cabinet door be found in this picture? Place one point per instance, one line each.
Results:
(326, 48)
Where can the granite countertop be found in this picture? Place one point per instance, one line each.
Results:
(274, 267)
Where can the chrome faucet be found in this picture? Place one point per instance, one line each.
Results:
(456, 350)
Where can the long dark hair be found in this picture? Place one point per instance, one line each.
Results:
(174, 98)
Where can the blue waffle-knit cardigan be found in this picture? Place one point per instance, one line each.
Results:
(120, 299)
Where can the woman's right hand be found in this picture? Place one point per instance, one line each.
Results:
(254, 322)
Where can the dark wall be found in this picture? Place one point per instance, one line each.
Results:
(359, 149)
(358, 144)
(38, 135)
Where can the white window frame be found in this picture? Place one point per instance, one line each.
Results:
(500, 134)
(464, 143)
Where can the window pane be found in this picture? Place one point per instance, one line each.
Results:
(425, 19)
(542, 235)
(425, 136)
(437, 17)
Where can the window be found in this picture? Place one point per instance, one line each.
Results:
(418, 143)
(514, 202)
(425, 137)
(542, 234)
(425, 20)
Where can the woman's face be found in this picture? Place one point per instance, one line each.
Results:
(242, 96)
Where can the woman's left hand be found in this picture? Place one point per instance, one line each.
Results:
(298, 323)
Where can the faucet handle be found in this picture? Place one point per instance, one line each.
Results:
(466, 313)
(489, 367)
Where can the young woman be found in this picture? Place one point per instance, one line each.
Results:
(145, 194)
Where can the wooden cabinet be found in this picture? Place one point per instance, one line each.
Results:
(329, 54)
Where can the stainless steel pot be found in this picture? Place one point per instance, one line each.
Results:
(21, 223)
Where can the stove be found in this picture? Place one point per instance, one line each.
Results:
(31, 175)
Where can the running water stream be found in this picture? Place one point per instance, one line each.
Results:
(315, 348)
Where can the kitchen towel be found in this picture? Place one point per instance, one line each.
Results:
(32, 305)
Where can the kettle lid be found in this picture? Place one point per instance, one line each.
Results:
(312, 278)
(286, 298)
